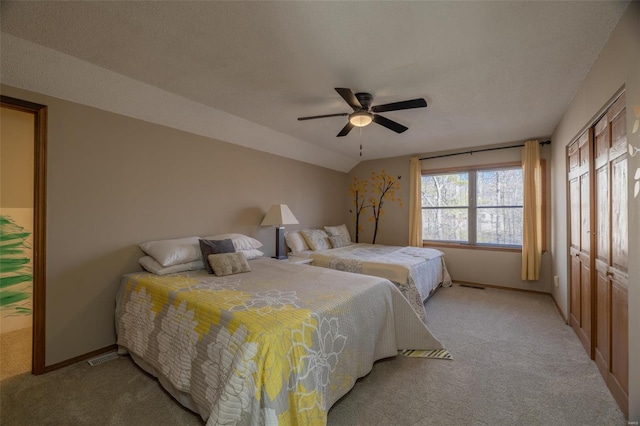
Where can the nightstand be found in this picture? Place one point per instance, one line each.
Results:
(300, 260)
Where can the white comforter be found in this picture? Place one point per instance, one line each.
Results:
(416, 271)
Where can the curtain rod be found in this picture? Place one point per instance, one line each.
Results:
(479, 150)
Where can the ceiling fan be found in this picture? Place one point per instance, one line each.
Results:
(363, 113)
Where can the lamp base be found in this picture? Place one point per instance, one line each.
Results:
(280, 247)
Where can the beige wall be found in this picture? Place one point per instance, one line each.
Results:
(114, 182)
(16, 159)
(616, 67)
(478, 266)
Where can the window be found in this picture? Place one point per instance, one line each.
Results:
(481, 206)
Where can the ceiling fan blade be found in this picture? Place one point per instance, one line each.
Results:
(345, 130)
(349, 97)
(395, 106)
(322, 116)
(389, 124)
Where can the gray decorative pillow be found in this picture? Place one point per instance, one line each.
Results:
(339, 241)
(228, 263)
(209, 247)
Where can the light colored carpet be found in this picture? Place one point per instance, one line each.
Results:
(514, 362)
(15, 353)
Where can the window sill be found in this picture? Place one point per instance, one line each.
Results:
(471, 247)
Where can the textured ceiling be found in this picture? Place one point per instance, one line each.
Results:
(491, 72)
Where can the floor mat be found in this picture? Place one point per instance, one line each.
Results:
(436, 353)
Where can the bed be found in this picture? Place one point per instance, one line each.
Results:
(277, 345)
(417, 272)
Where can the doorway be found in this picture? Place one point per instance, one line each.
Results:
(22, 249)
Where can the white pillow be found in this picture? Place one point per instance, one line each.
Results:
(252, 254)
(149, 264)
(173, 252)
(240, 242)
(339, 231)
(295, 241)
(316, 238)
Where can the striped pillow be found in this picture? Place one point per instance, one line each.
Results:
(228, 263)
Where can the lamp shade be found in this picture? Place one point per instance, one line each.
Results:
(279, 214)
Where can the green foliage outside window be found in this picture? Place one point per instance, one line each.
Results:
(481, 207)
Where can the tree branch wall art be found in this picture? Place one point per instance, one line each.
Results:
(384, 187)
(358, 189)
(372, 194)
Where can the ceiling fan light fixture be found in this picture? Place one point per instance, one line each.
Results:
(361, 118)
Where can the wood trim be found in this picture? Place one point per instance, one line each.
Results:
(497, 287)
(621, 91)
(601, 125)
(469, 168)
(619, 394)
(39, 225)
(562, 315)
(618, 106)
(443, 244)
(40, 240)
(79, 358)
(571, 149)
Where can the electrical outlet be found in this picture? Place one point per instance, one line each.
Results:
(556, 281)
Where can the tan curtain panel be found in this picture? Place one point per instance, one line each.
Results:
(415, 203)
(532, 220)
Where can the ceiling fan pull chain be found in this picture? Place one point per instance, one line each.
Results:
(360, 150)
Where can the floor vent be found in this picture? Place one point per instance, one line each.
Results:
(472, 286)
(102, 358)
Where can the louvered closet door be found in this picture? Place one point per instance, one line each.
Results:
(579, 157)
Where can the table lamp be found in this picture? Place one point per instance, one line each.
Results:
(279, 215)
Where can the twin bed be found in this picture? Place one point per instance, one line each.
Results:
(417, 272)
(278, 343)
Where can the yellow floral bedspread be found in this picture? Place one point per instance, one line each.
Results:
(277, 345)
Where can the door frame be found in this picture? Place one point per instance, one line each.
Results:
(39, 225)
